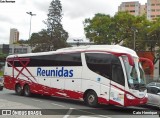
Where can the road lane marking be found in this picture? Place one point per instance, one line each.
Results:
(87, 117)
(68, 113)
(36, 100)
(58, 105)
(94, 114)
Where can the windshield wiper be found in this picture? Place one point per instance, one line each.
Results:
(136, 86)
(140, 87)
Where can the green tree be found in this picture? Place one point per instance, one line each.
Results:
(21, 42)
(58, 35)
(122, 28)
(98, 28)
(142, 26)
(153, 39)
(103, 29)
(126, 28)
(40, 41)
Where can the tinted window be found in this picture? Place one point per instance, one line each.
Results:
(71, 59)
(117, 71)
(106, 65)
(117, 74)
(99, 63)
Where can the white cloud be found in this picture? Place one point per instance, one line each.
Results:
(13, 15)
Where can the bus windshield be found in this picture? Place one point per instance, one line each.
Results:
(135, 74)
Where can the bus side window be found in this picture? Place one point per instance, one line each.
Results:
(117, 74)
(99, 63)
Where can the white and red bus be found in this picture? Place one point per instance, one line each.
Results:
(97, 74)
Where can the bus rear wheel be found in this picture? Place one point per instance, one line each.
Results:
(27, 91)
(91, 99)
(18, 89)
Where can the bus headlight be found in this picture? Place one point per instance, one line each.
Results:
(130, 97)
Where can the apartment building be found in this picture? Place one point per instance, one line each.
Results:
(14, 35)
(143, 9)
(151, 9)
(132, 7)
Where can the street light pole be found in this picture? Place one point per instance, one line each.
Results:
(134, 43)
(134, 37)
(31, 14)
(78, 41)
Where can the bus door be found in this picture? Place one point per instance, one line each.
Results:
(117, 85)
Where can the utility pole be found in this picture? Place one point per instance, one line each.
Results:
(31, 14)
(134, 37)
(134, 45)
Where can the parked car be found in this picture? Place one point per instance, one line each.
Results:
(1, 83)
(153, 90)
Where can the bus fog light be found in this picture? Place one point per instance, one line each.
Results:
(130, 96)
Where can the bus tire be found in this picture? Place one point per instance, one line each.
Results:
(18, 89)
(27, 91)
(1, 88)
(91, 99)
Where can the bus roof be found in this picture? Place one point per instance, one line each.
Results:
(109, 48)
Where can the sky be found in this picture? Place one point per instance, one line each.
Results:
(13, 15)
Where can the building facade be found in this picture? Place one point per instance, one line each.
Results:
(143, 9)
(15, 49)
(19, 49)
(4, 49)
(132, 7)
(14, 36)
(151, 9)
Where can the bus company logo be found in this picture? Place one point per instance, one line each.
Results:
(117, 99)
(141, 94)
(58, 72)
(7, 1)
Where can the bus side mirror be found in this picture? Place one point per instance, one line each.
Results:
(148, 61)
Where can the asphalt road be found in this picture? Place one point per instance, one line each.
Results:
(51, 107)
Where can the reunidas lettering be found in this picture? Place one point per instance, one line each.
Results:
(55, 72)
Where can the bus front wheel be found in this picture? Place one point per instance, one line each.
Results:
(27, 91)
(91, 99)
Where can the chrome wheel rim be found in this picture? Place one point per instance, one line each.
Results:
(91, 99)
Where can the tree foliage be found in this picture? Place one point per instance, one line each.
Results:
(54, 36)
(40, 41)
(58, 35)
(112, 30)
(124, 29)
(21, 42)
(96, 31)
(104, 29)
